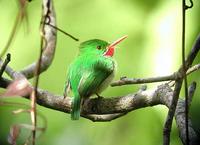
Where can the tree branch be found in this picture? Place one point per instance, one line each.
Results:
(50, 39)
(129, 81)
(193, 68)
(107, 109)
(3, 66)
(171, 112)
(178, 84)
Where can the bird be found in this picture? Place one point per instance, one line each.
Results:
(91, 72)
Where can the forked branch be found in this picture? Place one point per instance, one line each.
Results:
(50, 39)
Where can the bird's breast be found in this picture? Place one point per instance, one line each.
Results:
(108, 80)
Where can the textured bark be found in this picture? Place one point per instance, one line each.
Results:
(49, 38)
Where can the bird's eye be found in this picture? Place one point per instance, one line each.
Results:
(98, 47)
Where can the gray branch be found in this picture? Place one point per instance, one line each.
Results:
(49, 35)
(107, 109)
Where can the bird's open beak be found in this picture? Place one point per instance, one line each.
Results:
(111, 47)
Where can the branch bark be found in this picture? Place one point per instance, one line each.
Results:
(107, 109)
(178, 84)
(50, 41)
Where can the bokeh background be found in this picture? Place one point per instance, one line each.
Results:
(153, 48)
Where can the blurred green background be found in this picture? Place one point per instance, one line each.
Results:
(153, 48)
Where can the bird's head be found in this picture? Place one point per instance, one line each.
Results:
(99, 47)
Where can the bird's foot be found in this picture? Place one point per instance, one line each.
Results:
(99, 96)
(64, 95)
(95, 108)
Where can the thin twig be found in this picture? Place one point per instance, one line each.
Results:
(184, 72)
(191, 90)
(33, 114)
(193, 68)
(34, 93)
(193, 53)
(37, 71)
(129, 81)
(12, 73)
(3, 67)
(71, 36)
(171, 112)
(172, 77)
(20, 16)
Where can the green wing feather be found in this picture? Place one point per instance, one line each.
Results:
(90, 84)
(86, 79)
(76, 105)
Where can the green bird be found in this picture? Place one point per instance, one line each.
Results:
(91, 72)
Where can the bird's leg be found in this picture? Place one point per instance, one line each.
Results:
(97, 102)
(66, 89)
(99, 96)
(83, 101)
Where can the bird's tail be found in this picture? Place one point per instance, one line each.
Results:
(76, 106)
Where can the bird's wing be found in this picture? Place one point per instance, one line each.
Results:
(91, 81)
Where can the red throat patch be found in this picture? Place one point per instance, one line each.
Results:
(110, 51)
(111, 48)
